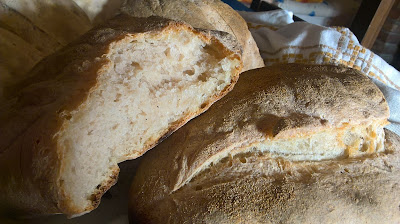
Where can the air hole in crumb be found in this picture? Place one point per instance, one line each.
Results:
(115, 126)
(208, 49)
(68, 117)
(117, 97)
(167, 52)
(90, 132)
(98, 186)
(242, 160)
(323, 121)
(136, 65)
(188, 72)
(203, 106)
(346, 170)
(364, 147)
(198, 188)
(92, 197)
(203, 77)
(181, 57)
(37, 141)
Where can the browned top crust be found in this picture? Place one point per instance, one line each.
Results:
(37, 107)
(284, 101)
(206, 14)
(255, 188)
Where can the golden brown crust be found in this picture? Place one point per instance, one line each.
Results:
(362, 190)
(31, 158)
(283, 101)
(206, 14)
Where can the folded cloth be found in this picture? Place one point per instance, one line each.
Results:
(281, 40)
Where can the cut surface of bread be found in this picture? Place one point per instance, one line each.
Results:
(106, 98)
(295, 113)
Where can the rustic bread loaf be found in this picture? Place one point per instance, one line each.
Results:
(33, 29)
(107, 97)
(62, 20)
(206, 14)
(290, 144)
(15, 22)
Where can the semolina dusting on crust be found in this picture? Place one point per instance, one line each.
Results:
(246, 158)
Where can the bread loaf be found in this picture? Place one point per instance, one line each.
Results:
(62, 20)
(15, 22)
(290, 144)
(206, 14)
(14, 51)
(107, 97)
(33, 29)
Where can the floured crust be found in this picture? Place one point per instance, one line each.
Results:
(31, 158)
(281, 102)
(212, 15)
(266, 190)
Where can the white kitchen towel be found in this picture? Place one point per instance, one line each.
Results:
(282, 41)
(327, 12)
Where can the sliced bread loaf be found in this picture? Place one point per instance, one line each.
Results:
(107, 97)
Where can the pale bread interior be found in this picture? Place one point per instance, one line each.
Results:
(344, 142)
(151, 82)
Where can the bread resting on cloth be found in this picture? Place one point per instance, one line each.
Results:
(105, 98)
(290, 144)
